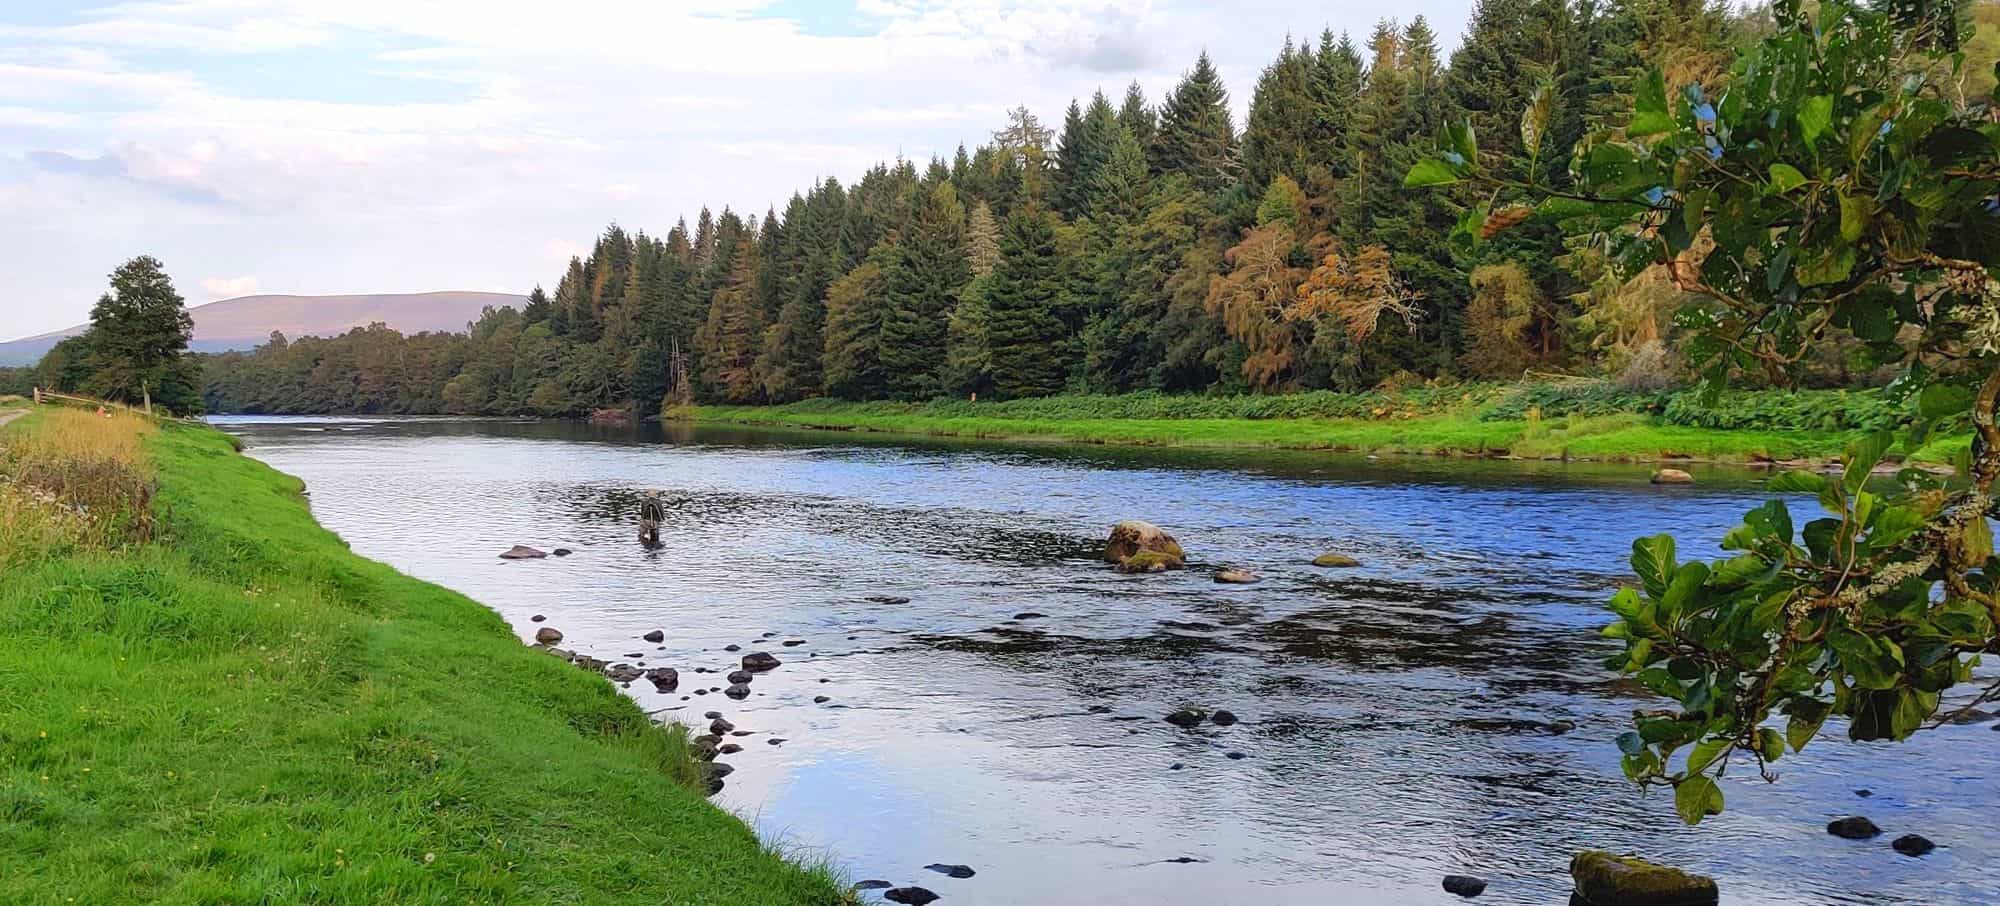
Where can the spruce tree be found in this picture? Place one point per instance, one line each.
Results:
(1137, 116)
(922, 282)
(1196, 138)
(1278, 136)
(1027, 339)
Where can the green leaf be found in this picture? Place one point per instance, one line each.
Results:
(1806, 718)
(1697, 798)
(1892, 524)
(1796, 482)
(1683, 591)
(1830, 265)
(1815, 115)
(1650, 115)
(1461, 141)
(1854, 213)
(1785, 177)
(1630, 743)
(1862, 456)
(1653, 561)
(1772, 520)
(1770, 744)
(1430, 172)
(1705, 753)
(1943, 401)
(1871, 666)
(1975, 542)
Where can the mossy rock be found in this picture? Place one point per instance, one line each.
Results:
(1133, 537)
(1335, 561)
(1604, 879)
(1149, 562)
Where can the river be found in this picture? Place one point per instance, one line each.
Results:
(1401, 721)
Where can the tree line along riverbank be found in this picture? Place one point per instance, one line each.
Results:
(205, 697)
(1534, 419)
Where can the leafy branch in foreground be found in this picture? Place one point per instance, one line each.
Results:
(1832, 189)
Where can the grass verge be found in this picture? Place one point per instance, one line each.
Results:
(241, 710)
(1634, 437)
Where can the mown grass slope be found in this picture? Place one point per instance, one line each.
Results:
(240, 710)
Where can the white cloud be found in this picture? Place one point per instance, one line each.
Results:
(229, 287)
(431, 144)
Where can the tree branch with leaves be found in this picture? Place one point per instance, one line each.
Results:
(1838, 186)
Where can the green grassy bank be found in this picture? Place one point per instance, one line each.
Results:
(211, 700)
(1581, 420)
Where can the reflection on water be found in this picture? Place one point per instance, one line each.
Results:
(1438, 710)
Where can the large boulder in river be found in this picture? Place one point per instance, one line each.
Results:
(758, 662)
(548, 635)
(1604, 879)
(1235, 576)
(1149, 545)
(522, 552)
(1672, 476)
(1335, 561)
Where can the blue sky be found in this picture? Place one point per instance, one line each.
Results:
(305, 146)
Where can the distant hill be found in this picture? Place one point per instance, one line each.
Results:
(244, 322)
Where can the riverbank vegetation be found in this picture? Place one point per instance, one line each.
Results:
(205, 697)
(1139, 244)
(1572, 419)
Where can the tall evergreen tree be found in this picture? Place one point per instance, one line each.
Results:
(1026, 336)
(1196, 138)
(921, 282)
(855, 309)
(1279, 134)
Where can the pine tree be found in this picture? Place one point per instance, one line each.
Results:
(922, 282)
(1335, 89)
(1027, 339)
(138, 339)
(1196, 138)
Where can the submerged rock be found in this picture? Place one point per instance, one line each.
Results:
(1603, 879)
(1235, 576)
(548, 635)
(821, 699)
(732, 647)
(665, 679)
(955, 871)
(1148, 563)
(729, 748)
(738, 692)
(655, 636)
(873, 885)
(537, 618)
(758, 662)
(1222, 717)
(721, 726)
(562, 552)
(1333, 561)
(794, 643)
(1133, 538)
(1913, 845)
(909, 896)
(741, 676)
(522, 552)
(1187, 717)
(888, 599)
(624, 673)
(1029, 615)
(1464, 885)
(1672, 476)
(1853, 827)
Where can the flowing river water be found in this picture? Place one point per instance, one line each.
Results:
(1439, 710)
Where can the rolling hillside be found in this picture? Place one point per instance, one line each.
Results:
(247, 321)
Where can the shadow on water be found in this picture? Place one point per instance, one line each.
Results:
(993, 693)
